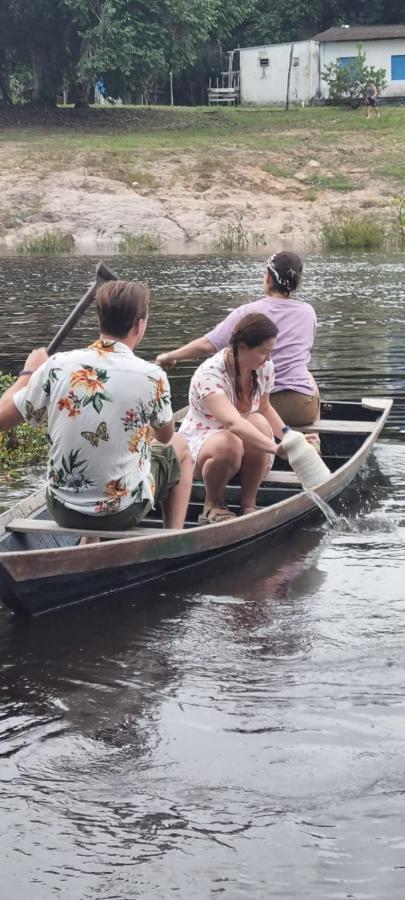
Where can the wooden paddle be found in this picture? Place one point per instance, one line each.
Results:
(103, 274)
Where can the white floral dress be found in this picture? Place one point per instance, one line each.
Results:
(212, 377)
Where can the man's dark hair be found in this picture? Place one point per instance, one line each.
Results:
(120, 306)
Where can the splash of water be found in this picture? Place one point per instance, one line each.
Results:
(331, 517)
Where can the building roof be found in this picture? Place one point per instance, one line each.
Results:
(361, 33)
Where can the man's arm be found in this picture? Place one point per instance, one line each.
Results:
(200, 348)
(9, 414)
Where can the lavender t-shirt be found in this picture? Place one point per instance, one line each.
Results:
(296, 323)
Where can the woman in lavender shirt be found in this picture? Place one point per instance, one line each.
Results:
(295, 395)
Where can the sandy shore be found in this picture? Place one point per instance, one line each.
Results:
(187, 198)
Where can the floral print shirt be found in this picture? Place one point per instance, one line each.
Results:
(99, 403)
(212, 377)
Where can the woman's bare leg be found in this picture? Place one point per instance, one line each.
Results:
(254, 465)
(219, 460)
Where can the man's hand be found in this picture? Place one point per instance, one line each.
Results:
(165, 361)
(35, 359)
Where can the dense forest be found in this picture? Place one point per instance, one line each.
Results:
(55, 48)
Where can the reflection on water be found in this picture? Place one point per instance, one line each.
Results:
(240, 731)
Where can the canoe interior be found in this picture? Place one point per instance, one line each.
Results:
(336, 450)
(41, 594)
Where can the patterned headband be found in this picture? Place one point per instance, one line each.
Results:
(283, 282)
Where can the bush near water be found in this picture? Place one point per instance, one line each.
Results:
(22, 446)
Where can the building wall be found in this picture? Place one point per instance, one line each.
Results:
(378, 54)
(267, 84)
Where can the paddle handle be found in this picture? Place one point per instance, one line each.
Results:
(103, 274)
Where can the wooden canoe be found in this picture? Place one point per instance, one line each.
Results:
(42, 567)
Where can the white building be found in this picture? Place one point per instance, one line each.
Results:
(384, 46)
(264, 70)
(264, 73)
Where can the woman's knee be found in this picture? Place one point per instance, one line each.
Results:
(224, 448)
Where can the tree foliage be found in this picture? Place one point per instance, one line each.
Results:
(46, 45)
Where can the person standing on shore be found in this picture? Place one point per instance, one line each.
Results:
(371, 99)
(295, 394)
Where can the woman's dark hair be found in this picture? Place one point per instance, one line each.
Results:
(120, 305)
(252, 330)
(286, 271)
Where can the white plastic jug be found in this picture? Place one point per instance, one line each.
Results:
(303, 458)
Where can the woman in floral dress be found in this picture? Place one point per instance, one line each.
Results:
(230, 424)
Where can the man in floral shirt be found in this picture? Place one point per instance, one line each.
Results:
(104, 406)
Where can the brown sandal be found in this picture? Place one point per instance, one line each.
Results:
(214, 515)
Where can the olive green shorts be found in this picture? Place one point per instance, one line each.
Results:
(166, 472)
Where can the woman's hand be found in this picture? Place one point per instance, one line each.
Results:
(165, 361)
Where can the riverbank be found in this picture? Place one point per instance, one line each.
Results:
(194, 179)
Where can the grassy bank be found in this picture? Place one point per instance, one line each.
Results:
(375, 144)
(312, 160)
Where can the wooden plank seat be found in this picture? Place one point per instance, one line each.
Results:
(336, 426)
(323, 426)
(33, 526)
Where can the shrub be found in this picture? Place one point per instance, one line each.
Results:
(146, 242)
(50, 243)
(24, 445)
(350, 81)
(350, 232)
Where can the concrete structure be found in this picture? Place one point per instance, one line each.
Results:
(264, 73)
(264, 70)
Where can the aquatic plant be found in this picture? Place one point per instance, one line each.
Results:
(398, 203)
(232, 239)
(346, 231)
(49, 243)
(146, 242)
(22, 446)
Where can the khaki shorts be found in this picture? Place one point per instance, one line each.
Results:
(294, 408)
(166, 472)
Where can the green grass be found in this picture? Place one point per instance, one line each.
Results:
(146, 242)
(50, 243)
(220, 132)
(396, 170)
(350, 232)
(280, 171)
(329, 182)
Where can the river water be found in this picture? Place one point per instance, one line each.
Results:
(243, 735)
